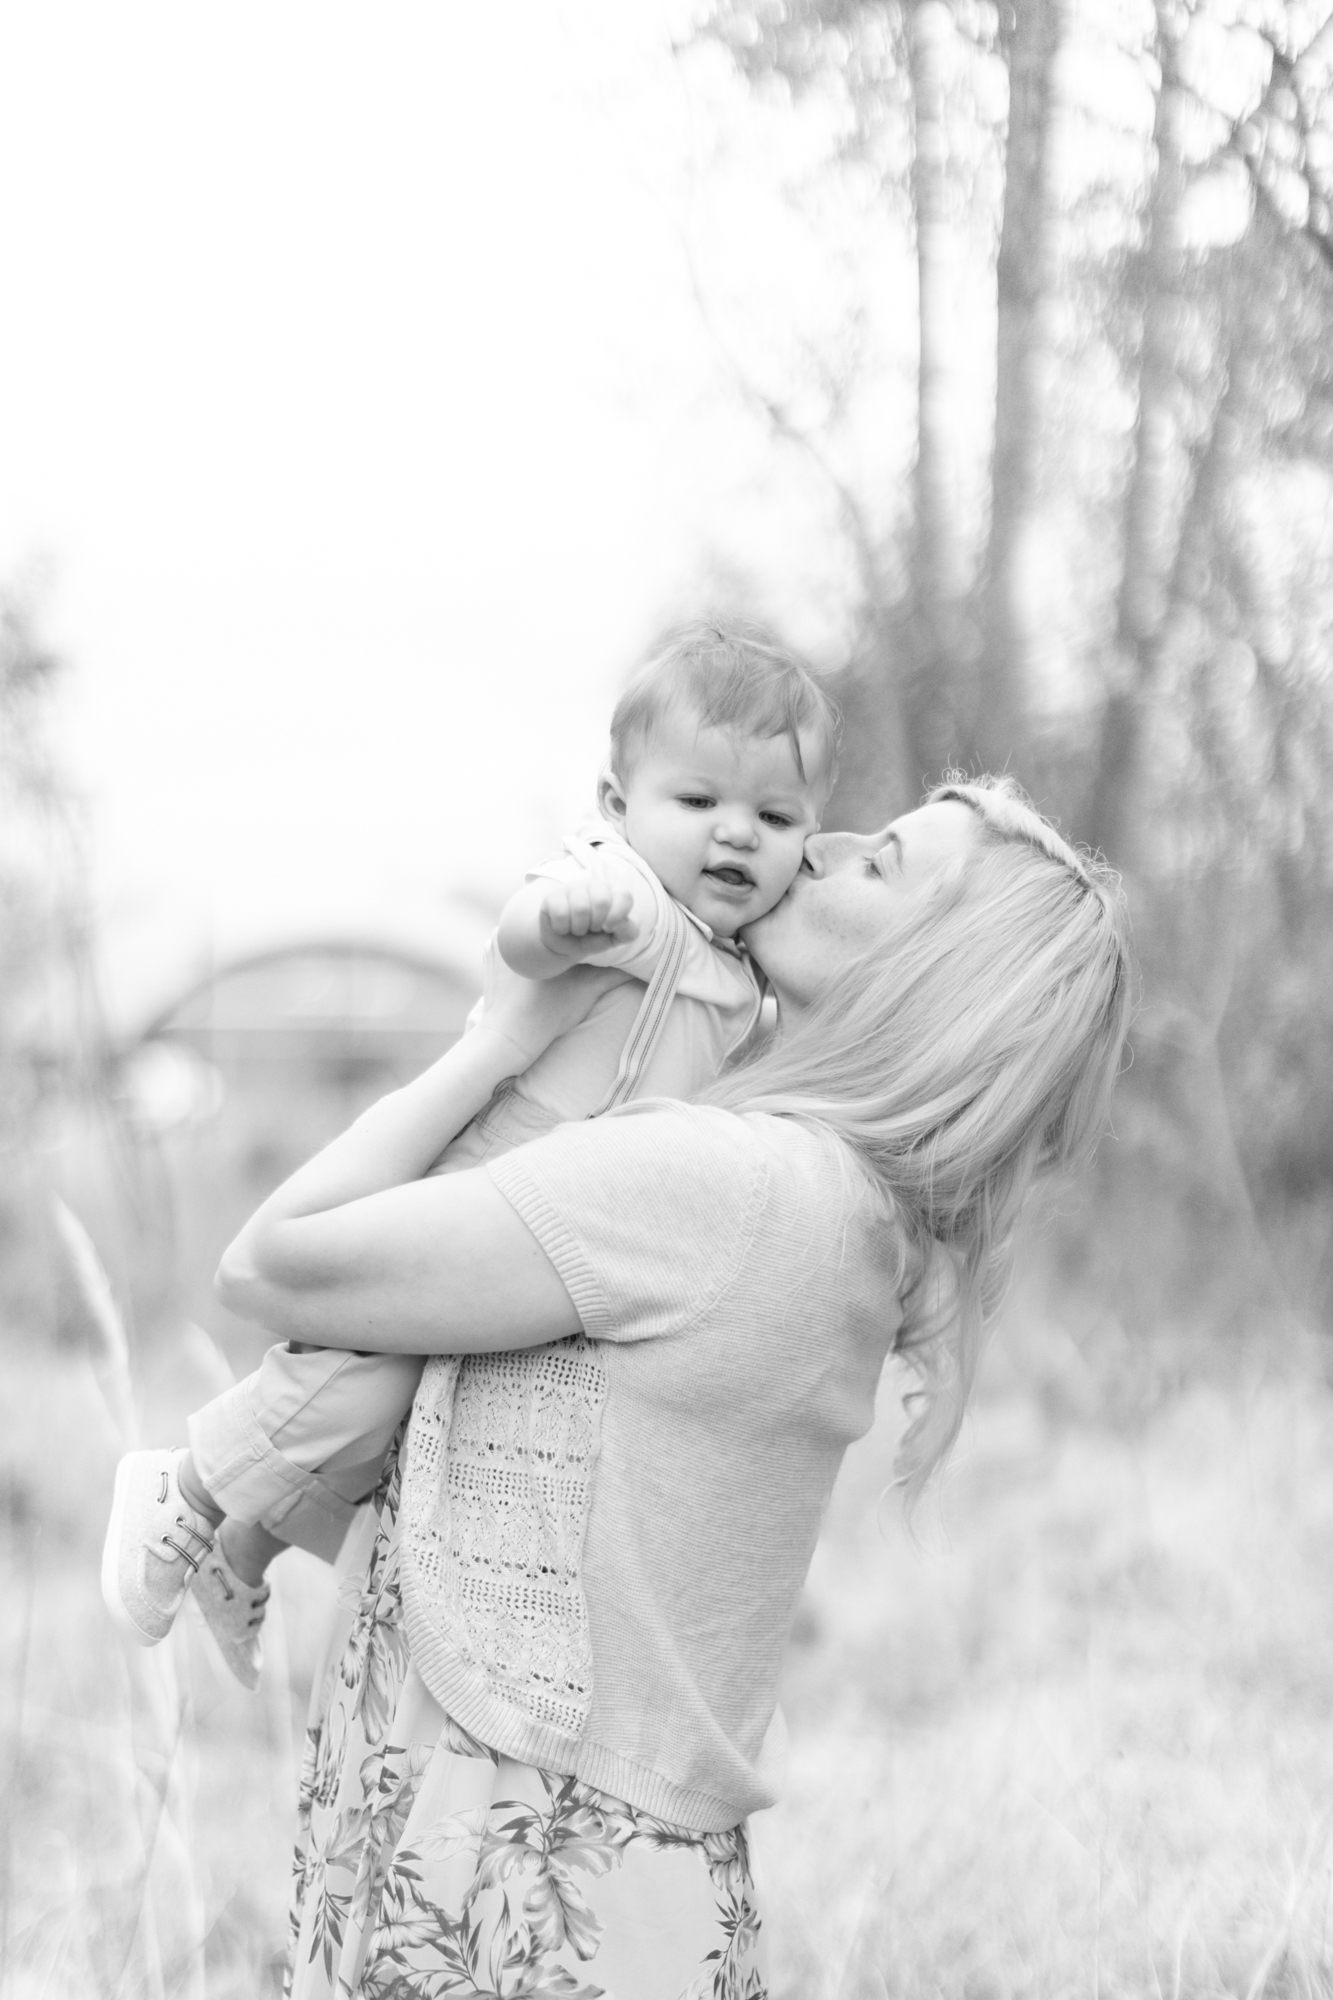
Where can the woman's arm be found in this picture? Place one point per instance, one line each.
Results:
(356, 1250)
(441, 1266)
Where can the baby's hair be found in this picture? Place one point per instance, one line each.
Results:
(730, 676)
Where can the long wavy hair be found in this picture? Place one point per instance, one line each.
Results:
(971, 1048)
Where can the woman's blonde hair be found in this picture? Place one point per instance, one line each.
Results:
(972, 1046)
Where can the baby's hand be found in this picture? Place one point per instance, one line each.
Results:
(553, 924)
(581, 918)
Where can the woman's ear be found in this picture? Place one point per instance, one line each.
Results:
(611, 799)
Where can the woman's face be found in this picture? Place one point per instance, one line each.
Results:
(850, 888)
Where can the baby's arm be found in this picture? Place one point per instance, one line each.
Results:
(404, 1131)
(518, 1019)
(556, 922)
(467, 1076)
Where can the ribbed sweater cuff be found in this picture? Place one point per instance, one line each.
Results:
(532, 1205)
(698, 1812)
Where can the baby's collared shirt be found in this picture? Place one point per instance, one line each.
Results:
(716, 1004)
(716, 970)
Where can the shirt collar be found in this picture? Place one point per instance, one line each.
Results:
(601, 831)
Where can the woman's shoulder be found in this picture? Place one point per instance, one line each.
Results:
(825, 1217)
(726, 1155)
(655, 1121)
(789, 1146)
(659, 1154)
(703, 1143)
(809, 1149)
(763, 1203)
(791, 1167)
(819, 1216)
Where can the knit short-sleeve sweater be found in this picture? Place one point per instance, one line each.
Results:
(736, 1276)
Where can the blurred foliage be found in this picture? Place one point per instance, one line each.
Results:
(1136, 617)
(33, 805)
(41, 933)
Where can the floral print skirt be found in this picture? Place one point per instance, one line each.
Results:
(428, 1865)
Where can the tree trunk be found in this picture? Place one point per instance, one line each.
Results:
(938, 635)
(1180, 1185)
(1153, 501)
(1023, 281)
(1174, 1227)
(876, 777)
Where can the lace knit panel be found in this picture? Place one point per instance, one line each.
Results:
(495, 1503)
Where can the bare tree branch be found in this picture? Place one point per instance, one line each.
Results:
(1312, 235)
(851, 512)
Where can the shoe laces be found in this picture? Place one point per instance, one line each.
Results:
(258, 1596)
(204, 1542)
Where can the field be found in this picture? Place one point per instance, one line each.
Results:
(1085, 1748)
(1077, 1741)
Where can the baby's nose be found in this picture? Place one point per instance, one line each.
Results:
(737, 829)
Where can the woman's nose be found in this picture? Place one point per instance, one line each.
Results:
(812, 854)
(824, 851)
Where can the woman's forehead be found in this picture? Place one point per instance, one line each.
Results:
(933, 834)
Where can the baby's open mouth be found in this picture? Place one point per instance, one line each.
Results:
(735, 878)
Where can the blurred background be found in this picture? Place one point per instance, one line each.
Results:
(374, 387)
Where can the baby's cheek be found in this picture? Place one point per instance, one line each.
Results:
(787, 864)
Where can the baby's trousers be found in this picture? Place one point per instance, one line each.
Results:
(297, 1445)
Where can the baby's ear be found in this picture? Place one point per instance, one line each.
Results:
(611, 798)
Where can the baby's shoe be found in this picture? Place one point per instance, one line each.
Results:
(234, 1610)
(155, 1542)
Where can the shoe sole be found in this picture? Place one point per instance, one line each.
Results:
(111, 1596)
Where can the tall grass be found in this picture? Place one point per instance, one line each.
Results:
(148, 1800)
(1085, 1747)
(1079, 1745)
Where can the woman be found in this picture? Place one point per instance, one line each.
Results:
(533, 1757)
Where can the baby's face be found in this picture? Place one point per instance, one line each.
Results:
(721, 818)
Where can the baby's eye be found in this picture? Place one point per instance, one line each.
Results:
(777, 819)
(697, 801)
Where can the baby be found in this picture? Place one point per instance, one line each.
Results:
(722, 758)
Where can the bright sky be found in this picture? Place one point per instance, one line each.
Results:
(353, 393)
